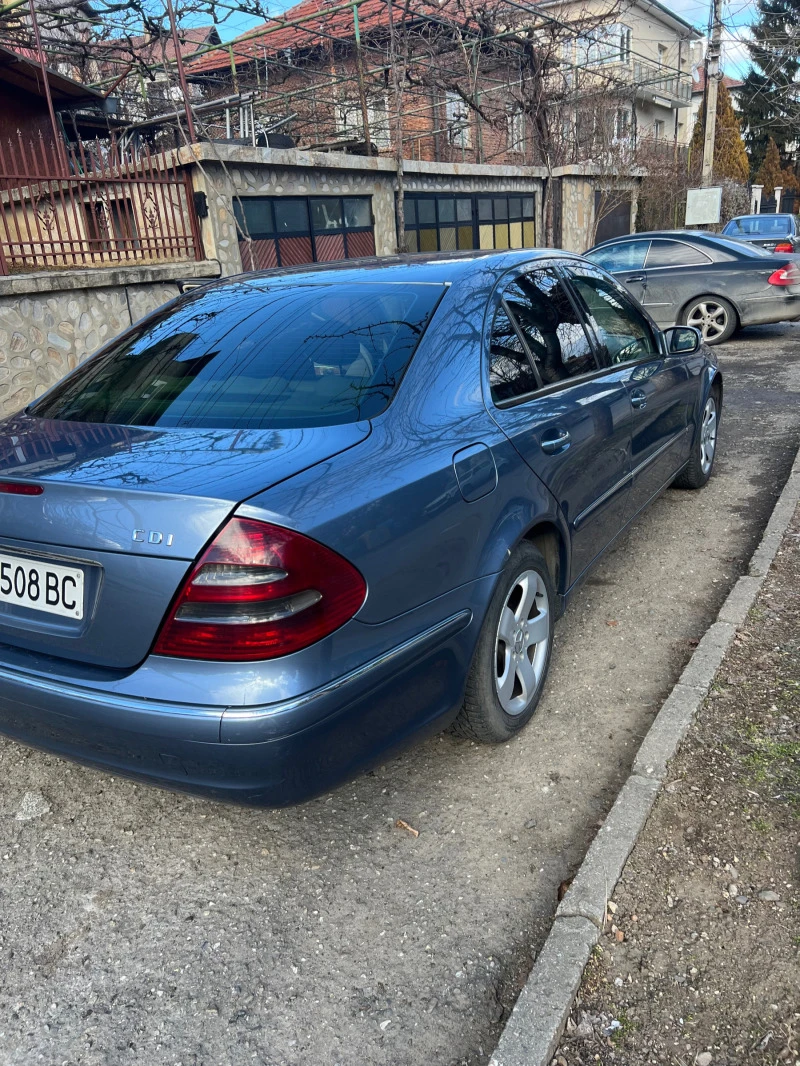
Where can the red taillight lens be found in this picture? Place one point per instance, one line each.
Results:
(788, 275)
(258, 592)
(18, 488)
(784, 246)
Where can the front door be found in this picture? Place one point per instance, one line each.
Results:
(675, 272)
(567, 416)
(658, 384)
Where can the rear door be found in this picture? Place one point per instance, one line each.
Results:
(567, 415)
(659, 386)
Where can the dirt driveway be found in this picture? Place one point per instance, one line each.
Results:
(142, 927)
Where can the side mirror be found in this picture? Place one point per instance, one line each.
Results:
(683, 340)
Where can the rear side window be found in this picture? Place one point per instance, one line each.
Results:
(675, 253)
(628, 255)
(537, 339)
(254, 356)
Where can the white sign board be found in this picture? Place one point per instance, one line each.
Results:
(703, 206)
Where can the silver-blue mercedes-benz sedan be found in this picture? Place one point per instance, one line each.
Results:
(293, 521)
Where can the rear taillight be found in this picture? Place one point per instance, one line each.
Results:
(788, 275)
(784, 246)
(257, 592)
(19, 488)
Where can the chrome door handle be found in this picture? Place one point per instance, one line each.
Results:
(551, 445)
(638, 399)
(636, 277)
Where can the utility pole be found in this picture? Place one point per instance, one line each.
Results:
(712, 85)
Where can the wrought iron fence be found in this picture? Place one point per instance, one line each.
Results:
(92, 204)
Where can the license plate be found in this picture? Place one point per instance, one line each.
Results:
(41, 586)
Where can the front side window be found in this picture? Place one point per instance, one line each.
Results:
(537, 339)
(622, 330)
(675, 253)
(628, 255)
(255, 357)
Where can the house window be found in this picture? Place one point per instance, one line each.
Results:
(291, 230)
(622, 124)
(658, 130)
(607, 44)
(662, 55)
(349, 120)
(445, 222)
(378, 116)
(624, 43)
(516, 130)
(458, 126)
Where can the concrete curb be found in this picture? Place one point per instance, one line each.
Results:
(534, 1028)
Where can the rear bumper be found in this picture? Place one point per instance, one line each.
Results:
(784, 307)
(270, 755)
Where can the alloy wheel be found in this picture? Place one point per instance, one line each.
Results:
(710, 317)
(708, 434)
(522, 643)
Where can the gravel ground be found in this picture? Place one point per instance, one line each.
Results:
(137, 926)
(699, 963)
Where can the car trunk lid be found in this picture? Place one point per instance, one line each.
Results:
(122, 512)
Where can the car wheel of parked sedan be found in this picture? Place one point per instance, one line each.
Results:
(713, 316)
(513, 653)
(698, 470)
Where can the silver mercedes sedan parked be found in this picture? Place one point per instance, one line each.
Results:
(712, 282)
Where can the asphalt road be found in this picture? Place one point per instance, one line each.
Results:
(137, 926)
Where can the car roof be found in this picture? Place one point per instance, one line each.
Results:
(437, 267)
(691, 234)
(771, 214)
(718, 240)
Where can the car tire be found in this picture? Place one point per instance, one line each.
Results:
(714, 316)
(510, 665)
(704, 450)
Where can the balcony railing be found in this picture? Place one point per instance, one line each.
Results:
(652, 80)
(94, 204)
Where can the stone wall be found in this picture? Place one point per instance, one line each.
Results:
(50, 322)
(225, 171)
(578, 203)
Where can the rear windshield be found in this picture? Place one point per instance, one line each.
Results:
(766, 225)
(254, 357)
(739, 247)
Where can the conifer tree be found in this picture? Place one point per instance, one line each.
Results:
(770, 173)
(730, 156)
(769, 99)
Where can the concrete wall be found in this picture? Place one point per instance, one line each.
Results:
(50, 322)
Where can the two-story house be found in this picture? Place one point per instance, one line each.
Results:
(476, 78)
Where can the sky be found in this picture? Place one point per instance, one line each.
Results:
(737, 15)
